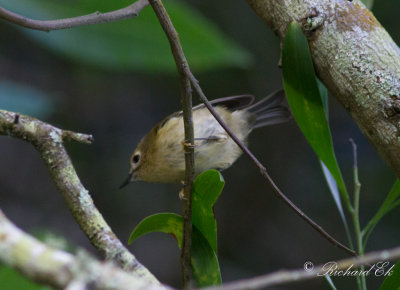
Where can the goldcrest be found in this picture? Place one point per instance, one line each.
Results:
(159, 157)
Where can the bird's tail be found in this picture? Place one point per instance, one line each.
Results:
(271, 110)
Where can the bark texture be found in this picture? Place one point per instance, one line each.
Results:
(354, 57)
(48, 140)
(60, 269)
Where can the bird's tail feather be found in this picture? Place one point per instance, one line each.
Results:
(271, 110)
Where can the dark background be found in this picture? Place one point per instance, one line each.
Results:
(257, 233)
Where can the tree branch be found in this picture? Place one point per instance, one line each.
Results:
(355, 58)
(130, 11)
(183, 68)
(289, 276)
(186, 100)
(48, 140)
(60, 269)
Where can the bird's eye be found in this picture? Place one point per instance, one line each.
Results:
(136, 158)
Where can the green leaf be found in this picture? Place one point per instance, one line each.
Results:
(204, 261)
(330, 282)
(137, 44)
(305, 101)
(12, 280)
(206, 190)
(392, 282)
(323, 91)
(391, 201)
(333, 188)
(168, 223)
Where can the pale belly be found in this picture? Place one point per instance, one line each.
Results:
(214, 149)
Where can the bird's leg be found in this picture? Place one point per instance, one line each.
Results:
(184, 144)
(216, 138)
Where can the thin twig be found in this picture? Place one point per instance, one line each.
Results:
(186, 100)
(185, 66)
(362, 283)
(48, 140)
(130, 11)
(262, 169)
(79, 137)
(311, 272)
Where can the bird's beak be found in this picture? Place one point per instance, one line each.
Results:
(127, 181)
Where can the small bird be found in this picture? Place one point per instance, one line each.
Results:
(159, 157)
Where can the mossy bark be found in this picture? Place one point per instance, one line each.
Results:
(48, 140)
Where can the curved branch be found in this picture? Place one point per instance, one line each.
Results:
(355, 58)
(48, 140)
(130, 11)
(289, 276)
(60, 269)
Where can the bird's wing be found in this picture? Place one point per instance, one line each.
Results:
(232, 103)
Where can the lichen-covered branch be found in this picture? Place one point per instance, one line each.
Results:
(130, 11)
(355, 58)
(48, 140)
(60, 269)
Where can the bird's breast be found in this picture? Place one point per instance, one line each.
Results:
(214, 149)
